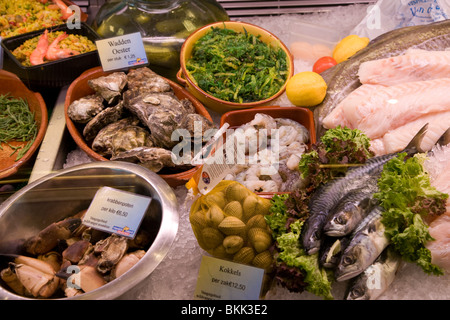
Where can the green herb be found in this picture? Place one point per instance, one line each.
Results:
(337, 150)
(294, 269)
(16, 124)
(407, 196)
(237, 67)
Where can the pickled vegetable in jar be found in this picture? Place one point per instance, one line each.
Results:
(164, 26)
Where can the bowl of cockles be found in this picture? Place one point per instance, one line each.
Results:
(55, 242)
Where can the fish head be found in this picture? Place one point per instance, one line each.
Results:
(311, 241)
(359, 289)
(352, 263)
(337, 225)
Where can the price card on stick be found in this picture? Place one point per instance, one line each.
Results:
(116, 211)
(121, 52)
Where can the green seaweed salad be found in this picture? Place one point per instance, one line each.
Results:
(237, 67)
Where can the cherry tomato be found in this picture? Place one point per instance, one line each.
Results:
(323, 64)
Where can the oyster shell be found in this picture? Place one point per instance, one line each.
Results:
(130, 137)
(102, 119)
(151, 158)
(161, 124)
(102, 143)
(147, 80)
(85, 108)
(109, 87)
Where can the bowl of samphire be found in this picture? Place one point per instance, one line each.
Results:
(61, 194)
(209, 100)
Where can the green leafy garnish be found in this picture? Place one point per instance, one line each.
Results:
(407, 197)
(237, 66)
(294, 269)
(16, 124)
(337, 150)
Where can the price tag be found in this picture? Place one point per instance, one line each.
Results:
(226, 280)
(121, 52)
(116, 211)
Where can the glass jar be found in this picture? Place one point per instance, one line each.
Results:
(163, 24)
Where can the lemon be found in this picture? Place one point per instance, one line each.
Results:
(348, 46)
(306, 89)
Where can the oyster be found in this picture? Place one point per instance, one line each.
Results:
(102, 143)
(109, 87)
(161, 124)
(130, 137)
(147, 80)
(85, 108)
(192, 120)
(151, 158)
(105, 117)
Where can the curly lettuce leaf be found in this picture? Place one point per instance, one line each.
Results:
(405, 193)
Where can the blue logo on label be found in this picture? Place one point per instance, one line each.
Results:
(124, 231)
(137, 61)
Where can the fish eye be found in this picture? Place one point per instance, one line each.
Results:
(357, 292)
(341, 219)
(347, 260)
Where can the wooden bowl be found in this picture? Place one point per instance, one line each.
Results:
(210, 101)
(79, 88)
(12, 85)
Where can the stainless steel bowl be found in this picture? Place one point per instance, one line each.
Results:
(68, 191)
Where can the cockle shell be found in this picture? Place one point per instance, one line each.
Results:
(245, 255)
(216, 198)
(263, 260)
(260, 239)
(220, 252)
(214, 216)
(257, 221)
(233, 244)
(236, 191)
(198, 220)
(233, 208)
(231, 225)
(250, 205)
(211, 238)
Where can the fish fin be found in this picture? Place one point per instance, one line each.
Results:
(414, 145)
(444, 139)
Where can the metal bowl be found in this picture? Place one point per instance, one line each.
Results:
(68, 191)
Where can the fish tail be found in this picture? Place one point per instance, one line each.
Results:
(444, 139)
(414, 145)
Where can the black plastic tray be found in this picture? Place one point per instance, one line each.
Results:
(51, 74)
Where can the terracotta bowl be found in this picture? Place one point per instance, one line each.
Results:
(79, 88)
(12, 85)
(303, 116)
(210, 101)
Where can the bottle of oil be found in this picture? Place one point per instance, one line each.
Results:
(163, 24)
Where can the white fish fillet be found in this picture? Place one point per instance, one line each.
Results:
(438, 167)
(387, 108)
(414, 65)
(397, 139)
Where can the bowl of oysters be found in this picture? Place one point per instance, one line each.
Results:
(50, 248)
(137, 116)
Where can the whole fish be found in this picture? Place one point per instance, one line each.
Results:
(364, 248)
(327, 196)
(343, 78)
(349, 212)
(370, 284)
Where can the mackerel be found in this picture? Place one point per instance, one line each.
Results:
(375, 280)
(364, 248)
(326, 197)
(343, 78)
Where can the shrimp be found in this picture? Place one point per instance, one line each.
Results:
(54, 52)
(261, 186)
(38, 54)
(65, 10)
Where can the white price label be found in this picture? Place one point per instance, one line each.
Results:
(116, 211)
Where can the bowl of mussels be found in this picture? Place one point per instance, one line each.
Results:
(49, 251)
(137, 116)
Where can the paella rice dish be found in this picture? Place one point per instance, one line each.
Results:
(61, 44)
(22, 16)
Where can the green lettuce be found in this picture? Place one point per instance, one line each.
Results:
(406, 194)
